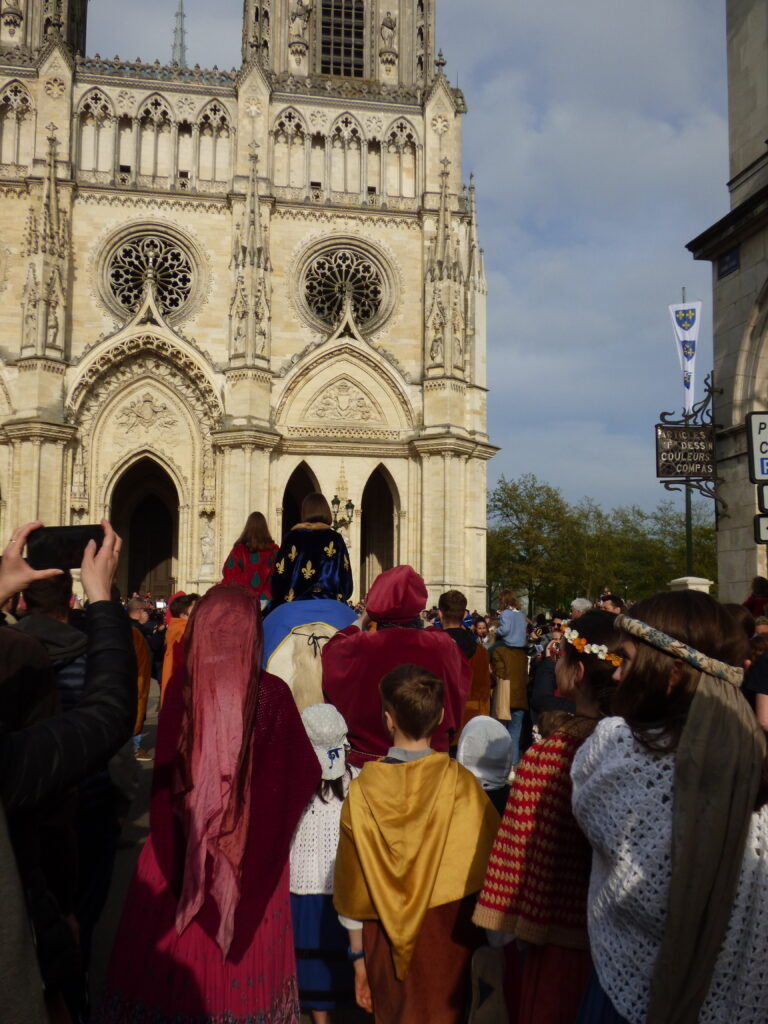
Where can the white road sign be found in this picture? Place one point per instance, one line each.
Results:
(757, 442)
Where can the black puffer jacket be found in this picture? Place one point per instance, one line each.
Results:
(48, 758)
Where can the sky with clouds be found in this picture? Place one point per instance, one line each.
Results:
(597, 133)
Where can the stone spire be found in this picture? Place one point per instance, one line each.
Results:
(440, 249)
(250, 310)
(180, 38)
(476, 274)
(44, 296)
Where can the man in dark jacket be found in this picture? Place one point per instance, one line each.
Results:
(44, 760)
(100, 805)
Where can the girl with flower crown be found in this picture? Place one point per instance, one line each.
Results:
(536, 883)
(672, 796)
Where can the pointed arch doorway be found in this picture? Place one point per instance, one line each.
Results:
(300, 483)
(377, 528)
(145, 512)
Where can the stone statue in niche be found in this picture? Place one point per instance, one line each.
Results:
(300, 20)
(206, 547)
(436, 349)
(240, 331)
(30, 322)
(388, 29)
(459, 350)
(53, 326)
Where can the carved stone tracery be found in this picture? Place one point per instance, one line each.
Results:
(156, 360)
(343, 401)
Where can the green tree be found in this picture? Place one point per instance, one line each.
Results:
(540, 545)
(529, 519)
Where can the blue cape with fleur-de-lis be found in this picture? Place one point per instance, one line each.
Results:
(313, 562)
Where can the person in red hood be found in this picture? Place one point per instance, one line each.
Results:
(354, 662)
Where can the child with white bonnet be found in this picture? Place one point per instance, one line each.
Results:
(485, 749)
(324, 975)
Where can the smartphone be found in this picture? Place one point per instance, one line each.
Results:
(61, 547)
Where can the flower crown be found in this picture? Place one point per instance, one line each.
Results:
(600, 650)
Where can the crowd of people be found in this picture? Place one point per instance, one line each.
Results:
(438, 815)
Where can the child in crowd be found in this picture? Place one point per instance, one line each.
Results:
(485, 749)
(536, 885)
(181, 608)
(416, 831)
(321, 942)
(678, 927)
(509, 662)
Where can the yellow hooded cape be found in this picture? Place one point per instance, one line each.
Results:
(413, 836)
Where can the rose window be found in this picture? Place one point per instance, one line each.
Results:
(151, 256)
(334, 274)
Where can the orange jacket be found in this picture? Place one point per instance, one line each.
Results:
(173, 635)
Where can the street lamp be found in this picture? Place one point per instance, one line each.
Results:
(341, 521)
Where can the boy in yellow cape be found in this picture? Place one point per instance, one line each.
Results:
(416, 834)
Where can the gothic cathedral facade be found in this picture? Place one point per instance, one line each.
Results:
(221, 290)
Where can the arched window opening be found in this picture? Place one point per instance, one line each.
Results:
(15, 124)
(96, 126)
(301, 483)
(145, 512)
(377, 529)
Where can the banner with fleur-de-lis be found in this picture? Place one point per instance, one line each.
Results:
(686, 318)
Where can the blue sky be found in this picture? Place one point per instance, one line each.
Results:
(597, 134)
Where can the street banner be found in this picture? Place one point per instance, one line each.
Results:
(686, 318)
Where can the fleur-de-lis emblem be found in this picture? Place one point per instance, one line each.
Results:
(290, 595)
(330, 549)
(308, 572)
(293, 553)
(281, 566)
(346, 563)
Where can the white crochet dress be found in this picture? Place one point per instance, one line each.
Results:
(622, 798)
(313, 848)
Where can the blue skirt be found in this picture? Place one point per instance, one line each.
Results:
(326, 977)
(596, 1007)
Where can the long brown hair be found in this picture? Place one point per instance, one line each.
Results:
(315, 509)
(256, 535)
(599, 628)
(655, 713)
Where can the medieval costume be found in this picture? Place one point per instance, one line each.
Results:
(312, 562)
(678, 908)
(251, 569)
(485, 749)
(479, 699)
(354, 662)
(174, 634)
(415, 838)
(206, 931)
(537, 880)
(323, 971)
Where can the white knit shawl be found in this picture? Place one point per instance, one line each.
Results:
(622, 798)
(313, 849)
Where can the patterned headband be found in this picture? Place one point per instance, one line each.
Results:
(677, 649)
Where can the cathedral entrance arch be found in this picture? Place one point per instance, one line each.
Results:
(145, 512)
(302, 482)
(377, 528)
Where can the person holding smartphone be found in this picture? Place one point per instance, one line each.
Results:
(44, 760)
